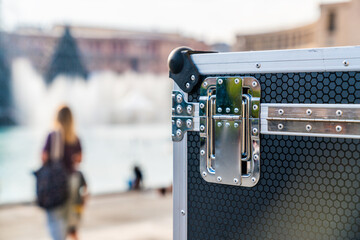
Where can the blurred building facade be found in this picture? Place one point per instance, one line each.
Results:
(101, 49)
(336, 26)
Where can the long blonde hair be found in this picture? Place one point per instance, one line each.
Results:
(65, 123)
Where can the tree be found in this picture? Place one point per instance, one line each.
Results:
(6, 117)
(66, 59)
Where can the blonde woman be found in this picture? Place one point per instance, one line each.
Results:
(64, 146)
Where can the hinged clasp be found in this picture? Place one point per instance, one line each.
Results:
(229, 130)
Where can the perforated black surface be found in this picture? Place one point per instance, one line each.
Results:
(309, 187)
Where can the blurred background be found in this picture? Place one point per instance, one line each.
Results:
(107, 60)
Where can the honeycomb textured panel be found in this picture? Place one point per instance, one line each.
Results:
(309, 186)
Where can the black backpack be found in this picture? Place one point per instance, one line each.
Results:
(52, 179)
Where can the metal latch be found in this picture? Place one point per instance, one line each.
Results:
(229, 130)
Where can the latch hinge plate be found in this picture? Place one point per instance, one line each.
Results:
(185, 116)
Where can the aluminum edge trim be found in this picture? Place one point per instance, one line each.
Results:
(280, 61)
(180, 185)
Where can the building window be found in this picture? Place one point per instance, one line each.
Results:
(134, 64)
(331, 22)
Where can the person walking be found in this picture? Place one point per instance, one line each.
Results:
(63, 146)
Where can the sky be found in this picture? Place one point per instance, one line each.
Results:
(208, 20)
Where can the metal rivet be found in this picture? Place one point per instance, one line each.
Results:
(338, 128)
(227, 110)
(237, 81)
(202, 105)
(178, 123)
(236, 110)
(192, 77)
(227, 124)
(189, 109)
(179, 98)
(183, 212)
(219, 179)
(308, 112)
(255, 107)
(254, 84)
(204, 174)
(255, 131)
(256, 157)
(202, 152)
(253, 179)
(179, 109)
(187, 85)
(219, 109)
(205, 84)
(220, 81)
(346, 63)
(236, 125)
(308, 127)
(280, 126)
(189, 123)
(258, 65)
(339, 113)
(178, 133)
(281, 111)
(202, 128)
(219, 124)
(236, 180)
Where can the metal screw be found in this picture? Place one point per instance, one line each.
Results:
(189, 123)
(236, 110)
(280, 126)
(179, 98)
(179, 109)
(254, 84)
(202, 152)
(236, 180)
(308, 128)
(227, 110)
(183, 212)
(255, 131)
(236, 125)
(205, 84)
(253, 179)
(308, 112)
(219, 124)
(187, 85)
(256, 157)
(219, 179)
(178, 123)
(202, 128)
(258, 65)
(338, 128)
(192, 77)
(339, 113)
(204, 174)
(219, 109)
(178, 133)
(189, 109)
(202, 105)
(255, 107)
(220, 81)
(237, 81)
(227, 124)
(346, 63)
(281, 112)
